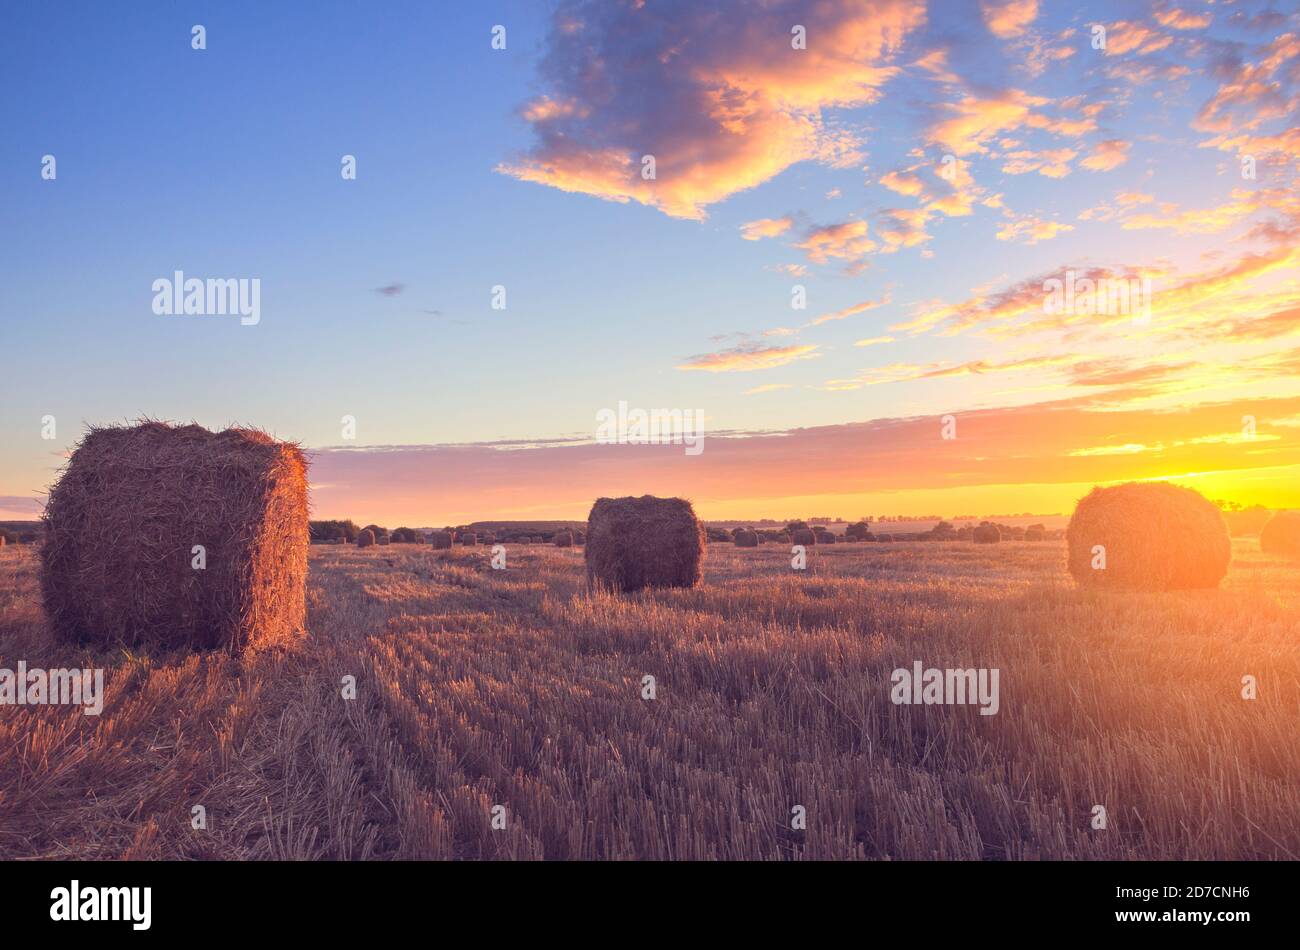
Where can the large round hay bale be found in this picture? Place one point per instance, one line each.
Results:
(745, 539)
(634, 543)
(177, 537)
(440, 540)
(467, 538)
(1151, 535)
(365, 538)
(804, 536)
(579, 538)
(563, 539)
(826, 537)
(986, 534)
(885, 538)
(1035, 532)
(1281, 535)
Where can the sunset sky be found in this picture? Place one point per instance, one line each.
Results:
(919, 170)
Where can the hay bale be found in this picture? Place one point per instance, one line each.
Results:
(746, 539)
(885, 538)
(1281, 535)
(579, 538)
(563, 539)
(1035, 532)
(467, 538)
(122, 522)
(634, 543)
(365, 538)
(440, 540)
(986, 534)
(826, 538)
(1156, 536)
(804, 536)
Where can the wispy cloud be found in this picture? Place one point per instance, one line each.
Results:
(748, 357)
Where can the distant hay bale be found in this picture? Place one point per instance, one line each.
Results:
(804, 536)
(885, 538)
(633, 543)
(1149, 536)
(365, 538)
(563, 539)
(467, 538)
(440, 540)
(1035, 532)
(826, 537)
(746, 539)
(579, 538)
(986, 534)
(487, 537)
(1281, 535)
(120, 563)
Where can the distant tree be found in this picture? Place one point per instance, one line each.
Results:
(332, 530)
(859, 530)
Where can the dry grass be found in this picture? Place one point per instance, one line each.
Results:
(479, 687)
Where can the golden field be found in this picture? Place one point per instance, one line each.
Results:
(478, 688)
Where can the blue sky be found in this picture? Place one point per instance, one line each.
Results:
(225, 162)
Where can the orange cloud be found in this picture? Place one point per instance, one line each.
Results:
(849, 311)
(765, 228)
(1008, 18)
(846, 241)
(904, 183)
(734, 107)
(1039, 457)
(748, 357)
(1053, 163)
(1107, 155)
(1177, 19)
(974, 120)
(1125, 36)
(1031, 230)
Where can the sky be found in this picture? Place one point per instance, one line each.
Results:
(831, 231)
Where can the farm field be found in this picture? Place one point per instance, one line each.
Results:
(478, 688)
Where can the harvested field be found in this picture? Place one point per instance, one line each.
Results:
(478, 687)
